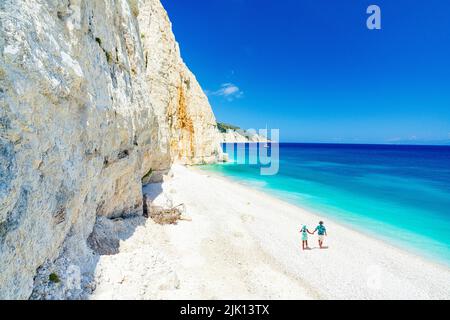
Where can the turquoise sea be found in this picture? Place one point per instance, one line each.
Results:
(400, 194)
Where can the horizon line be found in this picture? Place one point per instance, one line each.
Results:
(352, 143)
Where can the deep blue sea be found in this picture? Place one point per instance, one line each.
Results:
(400, 194)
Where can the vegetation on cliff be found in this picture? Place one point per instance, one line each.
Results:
(224, 127)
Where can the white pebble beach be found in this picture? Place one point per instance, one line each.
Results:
(245, 244)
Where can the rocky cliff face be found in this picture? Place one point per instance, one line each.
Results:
(190, 129)
(94, 98)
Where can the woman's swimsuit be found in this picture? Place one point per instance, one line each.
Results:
(304, 234)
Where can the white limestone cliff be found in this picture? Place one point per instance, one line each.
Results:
(94, 99)
(180, 103)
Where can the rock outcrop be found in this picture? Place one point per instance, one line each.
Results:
(241, 136)
(94, 99)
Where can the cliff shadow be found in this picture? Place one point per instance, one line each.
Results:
(108, 232)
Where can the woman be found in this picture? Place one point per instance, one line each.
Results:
(304, 231)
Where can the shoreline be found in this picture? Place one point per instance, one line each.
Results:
(314, 211)
(245, 244)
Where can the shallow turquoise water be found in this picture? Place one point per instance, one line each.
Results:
(400, 194)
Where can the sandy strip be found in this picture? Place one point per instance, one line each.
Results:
(244, 244)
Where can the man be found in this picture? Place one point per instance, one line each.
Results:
(322, 232)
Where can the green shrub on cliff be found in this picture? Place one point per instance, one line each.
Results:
(224, 127)
(53, 277)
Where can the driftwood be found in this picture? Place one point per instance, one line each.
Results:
(168, 216)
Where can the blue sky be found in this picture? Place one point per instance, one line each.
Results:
(312, 68)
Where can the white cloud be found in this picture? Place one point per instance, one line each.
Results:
(228, 91)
